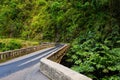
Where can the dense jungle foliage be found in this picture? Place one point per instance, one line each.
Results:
(92, 27)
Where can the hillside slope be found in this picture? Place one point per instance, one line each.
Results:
(91, 26)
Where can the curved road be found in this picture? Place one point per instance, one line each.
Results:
(25, 67)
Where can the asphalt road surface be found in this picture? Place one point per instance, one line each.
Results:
(25, 67)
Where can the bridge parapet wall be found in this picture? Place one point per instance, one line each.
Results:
(58, 55)
(50, 67)
(19, 52)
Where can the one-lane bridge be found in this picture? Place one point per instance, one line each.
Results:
(37, 64)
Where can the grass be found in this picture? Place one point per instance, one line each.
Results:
(12, 44)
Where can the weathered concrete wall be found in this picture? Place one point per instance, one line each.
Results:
(23, 51)
(55, 71)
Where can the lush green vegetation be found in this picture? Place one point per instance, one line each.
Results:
(11, 44)
(91, 26)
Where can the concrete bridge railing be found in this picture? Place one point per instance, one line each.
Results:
(19, 52)
(58, 55)
(50, 67)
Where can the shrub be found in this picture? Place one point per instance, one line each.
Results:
(94, 58)
(12, 44)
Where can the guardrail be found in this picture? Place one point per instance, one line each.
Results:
(56, 71)
(19, 52)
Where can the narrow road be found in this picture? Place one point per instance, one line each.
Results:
(25, 67)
